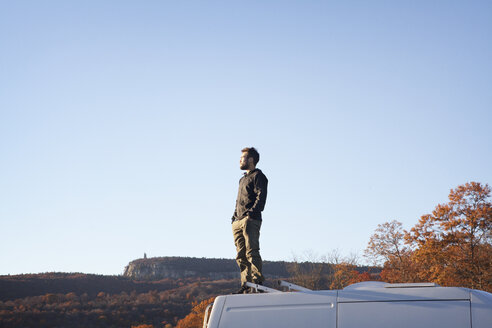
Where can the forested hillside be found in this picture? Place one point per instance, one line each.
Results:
(77, 300)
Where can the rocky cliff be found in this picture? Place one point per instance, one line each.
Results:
(189, 267)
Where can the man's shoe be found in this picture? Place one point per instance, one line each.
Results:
(243, 290)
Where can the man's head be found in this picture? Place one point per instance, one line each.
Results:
(249, 158)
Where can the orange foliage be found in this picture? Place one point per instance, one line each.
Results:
(452, 246)
(346, 274)
(195, 318)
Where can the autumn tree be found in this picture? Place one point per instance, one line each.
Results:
(387, 246)
(195, 318)
(453, 244)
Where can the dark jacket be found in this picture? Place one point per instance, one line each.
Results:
(251, 196)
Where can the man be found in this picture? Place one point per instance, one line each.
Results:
(246, 221)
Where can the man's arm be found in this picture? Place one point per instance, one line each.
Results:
(260, 189)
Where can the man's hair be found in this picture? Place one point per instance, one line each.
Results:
(252, 152)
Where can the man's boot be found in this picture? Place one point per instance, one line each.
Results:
(243, 290)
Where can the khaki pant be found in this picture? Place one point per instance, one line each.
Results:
(246, 234)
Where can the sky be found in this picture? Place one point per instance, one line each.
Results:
(122, 124)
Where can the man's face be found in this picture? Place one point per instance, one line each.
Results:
(243, 162)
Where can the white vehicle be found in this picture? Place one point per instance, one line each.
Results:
(363, 305)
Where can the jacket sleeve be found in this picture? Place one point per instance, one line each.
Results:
(260, 189)
(234, 216)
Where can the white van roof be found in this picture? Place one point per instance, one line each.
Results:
(305, 307)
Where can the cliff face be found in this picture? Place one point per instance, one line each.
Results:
(185, 267)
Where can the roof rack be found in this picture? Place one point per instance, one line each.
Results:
(381, 284)
(286, 285)
(265, 289)
(291, 286)
(412, 285)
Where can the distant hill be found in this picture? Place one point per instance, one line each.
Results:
(157, 268)
(191, 267)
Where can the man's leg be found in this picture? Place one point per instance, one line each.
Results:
(241, 259)
(251, 233)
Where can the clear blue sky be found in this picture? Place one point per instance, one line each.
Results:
(121, 123)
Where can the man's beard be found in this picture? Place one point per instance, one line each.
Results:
(243, 166)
